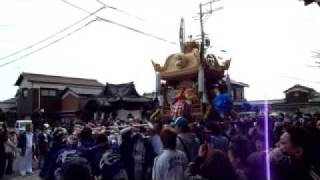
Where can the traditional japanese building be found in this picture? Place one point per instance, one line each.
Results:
(118, 101)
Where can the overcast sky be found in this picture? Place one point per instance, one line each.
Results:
(270, 42)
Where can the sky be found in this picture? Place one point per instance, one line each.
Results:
(270, 42)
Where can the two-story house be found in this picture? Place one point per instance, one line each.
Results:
(237, 90)
(49, 97)
(298, 98)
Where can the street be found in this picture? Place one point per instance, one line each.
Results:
(34, 176)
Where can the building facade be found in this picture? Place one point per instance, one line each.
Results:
(8, 111)
(51, 97)
(237, 91)
(118, 101)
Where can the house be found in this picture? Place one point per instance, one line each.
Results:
(8, 105)
(299, 94)
(73, 101)
(51, 97)
(8, 110)
(298, 98)
(119, 100)
(237, 90)
(238, 94)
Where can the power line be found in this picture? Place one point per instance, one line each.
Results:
(119, 24)
(43, 47)
(135, 30)
(121, 11)
(51, 36)
(70, 33)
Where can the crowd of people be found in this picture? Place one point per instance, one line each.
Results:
(181, 150)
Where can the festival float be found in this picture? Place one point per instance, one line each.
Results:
(192, 83)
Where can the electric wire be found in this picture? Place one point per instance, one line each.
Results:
(119, 24)
(51, 36)
(47, 45)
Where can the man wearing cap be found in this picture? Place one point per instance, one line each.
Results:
(187, 141)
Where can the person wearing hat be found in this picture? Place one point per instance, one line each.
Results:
(187, 141)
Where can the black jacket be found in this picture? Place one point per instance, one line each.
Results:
(127, 153)
(22, 143)
(43, 143)
(3, 139)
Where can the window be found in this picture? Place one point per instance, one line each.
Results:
(48, 92)
(44, 92)
(233, 93)
(52, 92)
(239, 94)
(25, 93)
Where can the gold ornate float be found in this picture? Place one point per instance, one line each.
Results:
(185, 76)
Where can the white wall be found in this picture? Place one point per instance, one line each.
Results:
(47, 85)
(122, 114)
(25, 84)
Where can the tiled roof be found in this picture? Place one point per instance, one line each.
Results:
(9, 101)
(125, 92)
(239, 83)
(233, 82)
(87, 91)
(57, 80)
(298, 86)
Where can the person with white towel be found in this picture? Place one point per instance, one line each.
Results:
(27, 144)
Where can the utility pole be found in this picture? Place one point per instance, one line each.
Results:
(201, 77)
(202, 36)
(202, 48)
